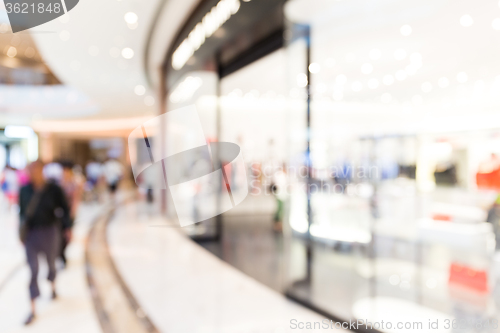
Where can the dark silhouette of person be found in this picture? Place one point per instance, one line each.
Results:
(43, 213)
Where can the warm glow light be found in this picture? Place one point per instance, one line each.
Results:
(12, 52)
(314, 67)
(131, 18)
(186, 89)
(127, 53)
(212, 21)
(139, 90)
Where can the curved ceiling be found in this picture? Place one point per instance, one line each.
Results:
(99, 49)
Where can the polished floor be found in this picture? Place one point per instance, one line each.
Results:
(184, 288)
(347, 284)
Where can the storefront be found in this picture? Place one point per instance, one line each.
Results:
(384, 118)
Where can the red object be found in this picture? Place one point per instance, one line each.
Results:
(489, 181)
(468, 277)
(441, 217)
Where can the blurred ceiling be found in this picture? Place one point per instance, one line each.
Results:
(98, 48)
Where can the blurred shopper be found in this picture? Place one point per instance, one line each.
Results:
(94, 171)
(72, 188)
(494, 219)
(10, 185)
(113, 173)
(278, 188)
(43, 213)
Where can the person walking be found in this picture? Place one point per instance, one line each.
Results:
(43, 212)
(73, 190)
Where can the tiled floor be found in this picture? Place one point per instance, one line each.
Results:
(73, 310)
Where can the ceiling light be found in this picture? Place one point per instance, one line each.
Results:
(18, 132)
(12, 52)
(405, 30)
(131, 18)
(314, 67)
(466, 21)
(127, 53)
(139, 90)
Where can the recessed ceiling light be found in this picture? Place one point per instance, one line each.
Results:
(12, 52)
(131, 18)
(314, 67)
(466, 21)
(127, 53)
(140, 90)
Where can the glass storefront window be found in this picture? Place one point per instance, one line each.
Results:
(403, 104)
